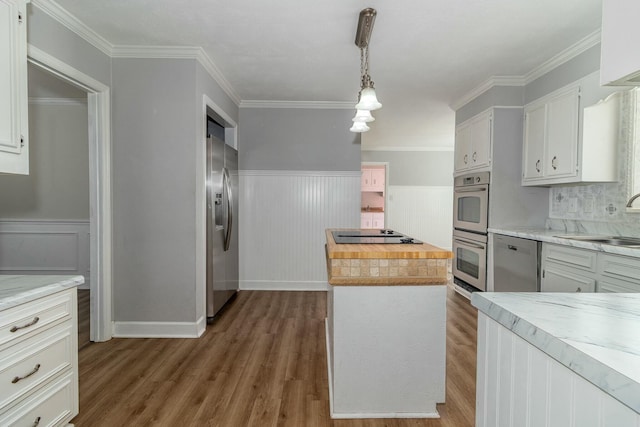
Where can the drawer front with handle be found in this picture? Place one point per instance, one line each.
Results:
(54, 405)
(28, 318)
(34, 361)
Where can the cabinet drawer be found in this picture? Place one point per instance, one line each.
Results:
(28, 318)
(561, 280)
(620, 267)
(30, 363)
(579, 258)
(613, 285)
(54, 405)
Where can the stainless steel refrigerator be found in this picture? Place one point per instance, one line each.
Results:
(222, 225)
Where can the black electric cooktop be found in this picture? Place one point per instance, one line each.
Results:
(372, 237)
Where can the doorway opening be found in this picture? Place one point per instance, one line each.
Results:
(100, 213)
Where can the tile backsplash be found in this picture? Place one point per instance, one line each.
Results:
(600, 207)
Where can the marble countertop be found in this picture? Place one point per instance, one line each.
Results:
(16, 289)
(550, 236)
(595, 335)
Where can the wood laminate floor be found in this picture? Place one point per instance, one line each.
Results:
(262, 363)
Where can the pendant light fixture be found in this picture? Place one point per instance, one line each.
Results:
(367, 99)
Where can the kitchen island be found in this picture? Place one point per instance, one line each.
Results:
(386, 328)
(550, 359)
(38, 349)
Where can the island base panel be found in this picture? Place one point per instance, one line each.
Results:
(386, 350)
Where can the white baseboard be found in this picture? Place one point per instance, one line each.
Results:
(279, 285)
(159, 329)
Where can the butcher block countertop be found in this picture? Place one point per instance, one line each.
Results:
(384, 265)
(368, 251)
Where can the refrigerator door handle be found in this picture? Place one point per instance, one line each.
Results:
(227, 184)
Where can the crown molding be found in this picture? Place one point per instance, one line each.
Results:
(61, 15)
(408, 149)
(566, 55)
(179, 52)
(485, 86)
(58, 101)
(332, 105)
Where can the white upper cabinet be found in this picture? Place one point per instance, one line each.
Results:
(620, 58)
(372, 179)
(473, 143)
(566, 143)
(14, 126)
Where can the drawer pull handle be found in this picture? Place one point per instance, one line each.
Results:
(36, 422)
(33, 322)
(33, 371)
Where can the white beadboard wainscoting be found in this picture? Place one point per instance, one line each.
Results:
(522, 386)
(425, 213)
(45, 247)
(283, 217)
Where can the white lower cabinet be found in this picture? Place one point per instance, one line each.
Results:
(372, 220)
(568, 269)
(562, 279)
(39, 362)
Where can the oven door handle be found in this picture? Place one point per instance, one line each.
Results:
(469, 190)
(468, 243)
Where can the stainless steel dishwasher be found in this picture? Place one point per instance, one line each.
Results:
(516, 264)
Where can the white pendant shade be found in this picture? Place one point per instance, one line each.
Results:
(368, 100)
(359, 127)
(363, 116)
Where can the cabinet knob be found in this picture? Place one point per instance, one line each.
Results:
(475, 156)
(466, 159)
(538, 166)
(553, 162)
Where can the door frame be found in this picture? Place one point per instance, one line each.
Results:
(386, 187)
(100, 195)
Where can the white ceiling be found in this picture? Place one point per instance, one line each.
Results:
(427, 51)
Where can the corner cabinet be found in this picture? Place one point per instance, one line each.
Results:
(565, 143)
(473, 143)
(14, 125)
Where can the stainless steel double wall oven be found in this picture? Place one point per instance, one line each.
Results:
(470, 222)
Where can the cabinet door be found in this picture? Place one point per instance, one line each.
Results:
(481, 141)
(377, 220)
(365, 180)
(562, 134)
(558, 279)
(377, 179)
(366, 220)
(14, 152)
(463, 147)
(535, 123)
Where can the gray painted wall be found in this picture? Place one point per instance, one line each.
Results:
(154, 116)
(576, 68)
(504, 96)
(57, 187)
(297, 139)
(52, 37)
(415, 168)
